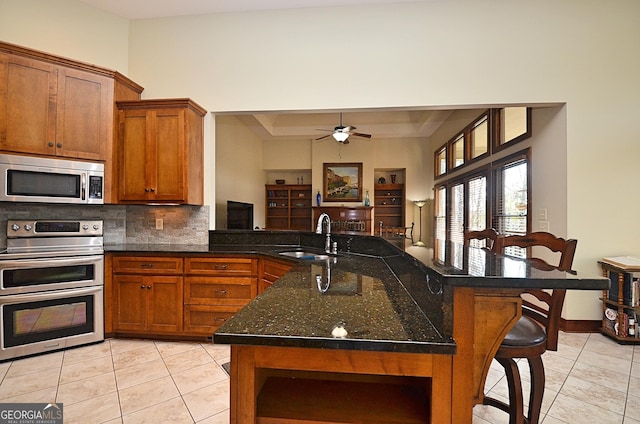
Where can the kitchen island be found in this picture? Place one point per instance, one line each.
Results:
(377, 335)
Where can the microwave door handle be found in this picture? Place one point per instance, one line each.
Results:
(83, 187)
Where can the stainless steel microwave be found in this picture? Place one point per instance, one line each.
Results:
(44, 180)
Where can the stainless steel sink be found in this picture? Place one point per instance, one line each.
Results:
(301, 254)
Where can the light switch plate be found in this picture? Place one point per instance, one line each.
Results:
(543, 226)
(159, 224)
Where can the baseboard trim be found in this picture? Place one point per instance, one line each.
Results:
(580, 326)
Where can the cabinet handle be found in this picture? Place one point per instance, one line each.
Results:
(148, 287)
(50, 144)
(153, 190)
(142, 286)
(220, 291)
(219, 319)
(146, 190)
(225, 266)
(59, 145)
(146, 265)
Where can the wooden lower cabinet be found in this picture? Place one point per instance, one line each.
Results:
(270, 271)
(149, 303)
(148, 295)
(186, 296)
(215, 289)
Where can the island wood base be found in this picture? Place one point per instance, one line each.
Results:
(285, 385)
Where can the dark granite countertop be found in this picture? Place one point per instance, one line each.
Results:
(386, 295)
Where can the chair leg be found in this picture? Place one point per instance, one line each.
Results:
(536, 369)
(516, 407)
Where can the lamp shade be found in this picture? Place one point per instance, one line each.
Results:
(340, 136)
(419, 203)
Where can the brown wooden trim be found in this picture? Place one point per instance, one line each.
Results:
(580, 326)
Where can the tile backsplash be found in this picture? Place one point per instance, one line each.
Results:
(122, 224)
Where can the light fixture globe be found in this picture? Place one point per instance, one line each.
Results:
(340, 136)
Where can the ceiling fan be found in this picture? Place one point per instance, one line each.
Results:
(341, 133)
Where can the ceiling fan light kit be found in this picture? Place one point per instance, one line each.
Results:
(340, 136)
(341, 133)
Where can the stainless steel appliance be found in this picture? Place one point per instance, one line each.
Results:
(44, 180)
(51, 286)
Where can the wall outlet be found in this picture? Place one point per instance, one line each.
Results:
(159, 224)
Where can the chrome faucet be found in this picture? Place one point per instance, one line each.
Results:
(321, 219)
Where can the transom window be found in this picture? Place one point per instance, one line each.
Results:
(493, 130)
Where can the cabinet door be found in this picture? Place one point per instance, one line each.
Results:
(134, 156)
(167, 178)
(27, 105)
(165, 304)
(84, 114)
(131, 302)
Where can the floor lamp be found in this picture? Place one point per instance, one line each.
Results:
(419, 204)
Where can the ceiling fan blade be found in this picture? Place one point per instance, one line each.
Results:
(361, 135)
(346, 141)
(348, 128)
(324, 136)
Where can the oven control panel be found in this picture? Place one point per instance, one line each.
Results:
(53, 228)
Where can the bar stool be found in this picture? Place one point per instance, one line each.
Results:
(489, 235)
(535, 332)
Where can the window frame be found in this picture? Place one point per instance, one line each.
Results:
(496, 126)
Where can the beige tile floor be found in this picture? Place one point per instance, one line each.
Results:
(591, 379)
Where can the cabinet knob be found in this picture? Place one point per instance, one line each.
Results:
(59, 145)
(142, 286)
(148, 287)
(153, 190)
(146, 190)
(50, 144)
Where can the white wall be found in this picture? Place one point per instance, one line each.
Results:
(238, 169)
(439, 53)
(67, 28)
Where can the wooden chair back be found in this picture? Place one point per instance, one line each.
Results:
(549, 313)
(489, 235)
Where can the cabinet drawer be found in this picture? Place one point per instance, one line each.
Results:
(273, 270)
(147, 265)
(219, 290)
(205, 319)
(222, 266)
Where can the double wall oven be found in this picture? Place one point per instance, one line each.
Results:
(51, 286)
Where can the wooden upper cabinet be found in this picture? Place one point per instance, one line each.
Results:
(53, 110)
(160, 145)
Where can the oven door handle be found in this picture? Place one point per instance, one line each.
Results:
(48, 262)
(49, 295)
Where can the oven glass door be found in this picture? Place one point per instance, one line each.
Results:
(31, 275)
(49, 320)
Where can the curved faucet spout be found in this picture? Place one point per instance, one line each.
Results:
(321, 220)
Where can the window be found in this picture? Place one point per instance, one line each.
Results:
(457, 152)
(511, 201)
(441, 161)
(440, 225)
(496, 196)
(512, 124)
(479, 137)
(493, 130)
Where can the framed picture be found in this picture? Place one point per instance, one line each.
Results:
(342, 182)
